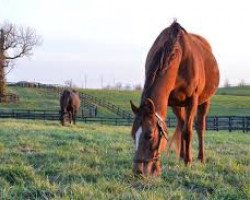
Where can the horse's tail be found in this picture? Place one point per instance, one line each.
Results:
(175, 139)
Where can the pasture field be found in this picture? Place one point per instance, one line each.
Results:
(42, 160)
(237, 90)
(33, 98)
(231, 101)
(236, 101)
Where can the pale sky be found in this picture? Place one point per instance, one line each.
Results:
(107, 41)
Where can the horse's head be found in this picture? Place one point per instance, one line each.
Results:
(62, 117)
(150, 136)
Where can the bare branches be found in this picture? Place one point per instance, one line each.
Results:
(15, 42)
(18, 41)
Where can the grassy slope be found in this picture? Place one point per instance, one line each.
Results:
(33, 98)
(231, 104)
(44, 160)
(239, 91)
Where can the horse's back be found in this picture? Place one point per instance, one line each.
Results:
(210, 71)
(70, 99)
(75, 100)
(201, 41)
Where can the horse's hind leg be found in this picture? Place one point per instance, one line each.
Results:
(74, 116)
(188, 128)
(201, 122)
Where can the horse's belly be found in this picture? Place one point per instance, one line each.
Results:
(179, 99)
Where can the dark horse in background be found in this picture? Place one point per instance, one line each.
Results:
(69, 103)
(180, 72)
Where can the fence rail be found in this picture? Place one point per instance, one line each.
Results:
(106, 104)
(7, 98)
(217, 123)
(40, 114)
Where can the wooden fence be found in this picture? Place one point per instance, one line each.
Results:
(9, 98)
(217, 123)
(40, 114)
(106, 104)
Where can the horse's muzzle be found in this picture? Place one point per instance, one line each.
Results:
(147, 168)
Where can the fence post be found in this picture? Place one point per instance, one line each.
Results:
(229, 124)
(214, 123)
(217, 123)
(169, 122)
(243, 124)
(246, 123)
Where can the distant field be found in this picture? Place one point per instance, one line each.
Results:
(232, 101)
(221, 104)
(33, 98)
(42, 160)
(238, 91)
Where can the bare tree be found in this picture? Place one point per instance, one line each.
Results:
(69, 83)
(107, 87)
(15, 42)
(242, 83)
(227, 84)
(118, 86)
(127, 87)
(138, 87)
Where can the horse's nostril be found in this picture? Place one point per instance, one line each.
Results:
(137, 172)
(138, 168)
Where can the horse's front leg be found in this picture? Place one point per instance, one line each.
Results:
(188, 128)
(70, 117)
(201, 121)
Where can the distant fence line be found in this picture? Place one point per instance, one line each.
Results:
(217, 123)
(106, 104)
(41, 114)
(87, 99)
(36, 85)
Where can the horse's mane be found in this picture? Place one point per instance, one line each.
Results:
(159, 52)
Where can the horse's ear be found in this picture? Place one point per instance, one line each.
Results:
(149, 106)
(134, 108)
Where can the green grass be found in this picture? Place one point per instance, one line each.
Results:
(229, 103)
(42, 160)
(237, 90)
(119, 98)
(33, 98)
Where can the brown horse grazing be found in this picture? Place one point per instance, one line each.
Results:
(181, 72)
(69, 103)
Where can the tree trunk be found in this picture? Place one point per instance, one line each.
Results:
(2, 80)
(2, 59)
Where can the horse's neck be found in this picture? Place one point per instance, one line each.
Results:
(160, 98)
